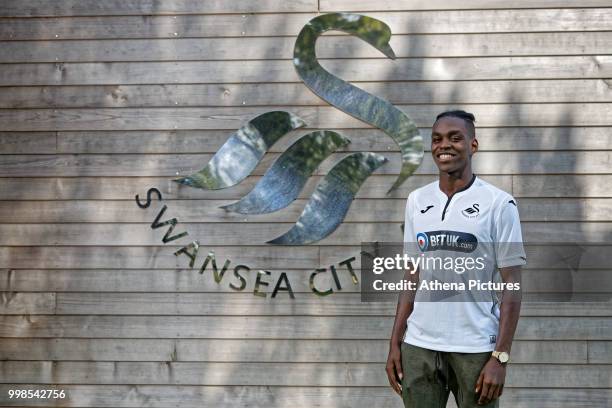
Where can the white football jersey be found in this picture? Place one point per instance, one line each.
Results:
(477, 215)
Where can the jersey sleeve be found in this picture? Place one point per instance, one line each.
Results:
(410, 246)
(509, 250)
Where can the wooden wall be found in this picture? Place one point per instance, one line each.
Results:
(101, 100)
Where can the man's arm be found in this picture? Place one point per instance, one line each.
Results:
(510, 308)
(493, 375)
(405, 304)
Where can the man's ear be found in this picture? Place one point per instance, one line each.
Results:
(474, 145)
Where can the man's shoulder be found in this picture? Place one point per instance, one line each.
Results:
(496, 193)
(499, 199)
(425, 190)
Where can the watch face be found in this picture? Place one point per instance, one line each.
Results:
(504, 357)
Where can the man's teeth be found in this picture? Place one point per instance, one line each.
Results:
(445, 156)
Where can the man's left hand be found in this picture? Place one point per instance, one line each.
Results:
(490, 383)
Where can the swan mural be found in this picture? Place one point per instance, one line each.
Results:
(329, 203)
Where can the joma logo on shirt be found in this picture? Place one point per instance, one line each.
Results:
(446, 240)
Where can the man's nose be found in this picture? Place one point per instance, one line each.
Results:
(445, 143)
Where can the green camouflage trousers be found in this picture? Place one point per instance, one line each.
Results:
(430, 376)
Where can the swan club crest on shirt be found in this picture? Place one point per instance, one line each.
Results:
(472, 211)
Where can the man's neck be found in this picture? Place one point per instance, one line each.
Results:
(450, 183)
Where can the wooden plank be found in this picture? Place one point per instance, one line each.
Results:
(559, 376)
(125, 188)
(362, 210)
(244, 303)
(182, 26)
(207, 234)
(564, 209)
(566, 232)
(324, 117)
(221, 304)
(28, 142)
(294, 94)
(534, 280)
(560, 186)
(566, 281)
(179, 280)
(220, 327)
(161, 257)
(235, 25)
(367, 5)
(486, 163)
(271, 327)
(134, 396)
(209, 141)
(49, 8)
(246, 233)
(599, 352)
(368, 210)
(580, 256)
(176, 280)
(213, 234)
(567, 328)
(409, 69)
(276, 374)
(120, 350)
(250, 350)
(550, 351)
(256, 48)
(561, 352)
(569, 308)
(12, 303)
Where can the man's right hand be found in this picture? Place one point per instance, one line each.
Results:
(394, 368)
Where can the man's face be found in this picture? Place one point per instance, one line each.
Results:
(451, 144)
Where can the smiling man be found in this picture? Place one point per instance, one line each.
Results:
(438, 347)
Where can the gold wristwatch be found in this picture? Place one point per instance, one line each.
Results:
(501, 356)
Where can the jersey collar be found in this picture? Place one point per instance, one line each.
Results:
(468, 185)
(449, 198)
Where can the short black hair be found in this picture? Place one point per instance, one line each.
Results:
(467, 117)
